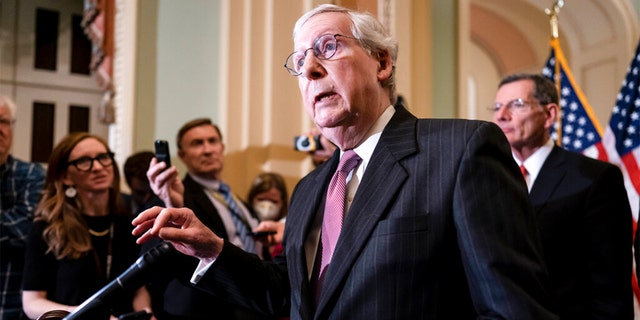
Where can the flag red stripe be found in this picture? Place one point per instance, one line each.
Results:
(631, 164)
(602, 152)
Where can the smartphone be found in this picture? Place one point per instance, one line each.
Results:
(162, 152)
(307, 143)
(263, 233)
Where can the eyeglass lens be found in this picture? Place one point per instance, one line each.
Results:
(6, 122)
(513, 105)
(86, 163)
(324, 48)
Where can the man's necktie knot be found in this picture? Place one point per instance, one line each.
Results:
(224, 188)
(349, 160)
(523, 170)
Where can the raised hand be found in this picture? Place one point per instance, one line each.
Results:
(181, 227)
(166, 184)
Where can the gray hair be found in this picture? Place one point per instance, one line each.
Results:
(5, 101)
(371, 34)
(544, 91)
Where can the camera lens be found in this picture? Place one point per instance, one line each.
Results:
(304, 143)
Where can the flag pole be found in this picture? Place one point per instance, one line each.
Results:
(553, 17)
(553, 21)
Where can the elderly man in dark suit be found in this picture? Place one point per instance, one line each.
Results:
(581, 205)
(410, 219)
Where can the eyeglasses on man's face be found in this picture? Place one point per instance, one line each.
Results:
(514, 106)
(324, 48)
(85, 164)
(6, 123)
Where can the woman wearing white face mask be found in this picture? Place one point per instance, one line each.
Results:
(269, 201)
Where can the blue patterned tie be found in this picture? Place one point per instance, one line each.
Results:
(242, 230)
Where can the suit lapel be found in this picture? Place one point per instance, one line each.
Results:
(384, 176)
(199, 202)
(549, 178)
(307, 201)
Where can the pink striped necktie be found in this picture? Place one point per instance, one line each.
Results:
(334, 209)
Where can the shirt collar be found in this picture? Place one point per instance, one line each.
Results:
(207, 183)
(534, 163)
(365, 149)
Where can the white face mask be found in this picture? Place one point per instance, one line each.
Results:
(266, 210)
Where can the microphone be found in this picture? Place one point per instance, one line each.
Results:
(131, 279)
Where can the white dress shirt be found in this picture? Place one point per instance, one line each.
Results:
(534, 163)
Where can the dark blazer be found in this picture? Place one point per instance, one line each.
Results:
(173, 296)
(197, 200)
(586, 227)
(441, 227)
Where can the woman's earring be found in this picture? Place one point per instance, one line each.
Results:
(70, 192)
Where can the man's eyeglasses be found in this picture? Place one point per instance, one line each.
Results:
(85, 164)
(5, 123)
(324, 48)
(514, 106)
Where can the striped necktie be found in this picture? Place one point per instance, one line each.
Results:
(334, 210)
(242, 229)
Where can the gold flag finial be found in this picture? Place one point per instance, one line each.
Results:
(553, 17)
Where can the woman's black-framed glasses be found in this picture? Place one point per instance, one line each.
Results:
(85, 164)
(324, 48)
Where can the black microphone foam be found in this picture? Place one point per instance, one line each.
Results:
(131, 279)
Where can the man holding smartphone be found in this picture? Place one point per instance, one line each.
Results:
(201, 149)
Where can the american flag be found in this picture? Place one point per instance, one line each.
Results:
(622, 141)
(578, 128)
(622, 137)
(580, 131)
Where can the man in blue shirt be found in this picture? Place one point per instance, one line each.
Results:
(20, 188)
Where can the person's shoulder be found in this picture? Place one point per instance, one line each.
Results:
(583, 159)
(586, 164)
(455, 122)
(190, 184)
(18, 161)
(38, 226)
(460, 127)
(21, 169)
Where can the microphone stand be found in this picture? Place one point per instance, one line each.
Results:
(131, 279)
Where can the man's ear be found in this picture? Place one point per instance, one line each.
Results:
(552, 115)
(180, 153)
(385, 65)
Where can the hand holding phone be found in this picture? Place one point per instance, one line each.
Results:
(162, 152)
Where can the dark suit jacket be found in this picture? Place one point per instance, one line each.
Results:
(586, 227)
(173, 296)
(441, 227)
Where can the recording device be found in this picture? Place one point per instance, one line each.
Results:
(130, 280)
(162, 152)
(307, 143)
(262, 233)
